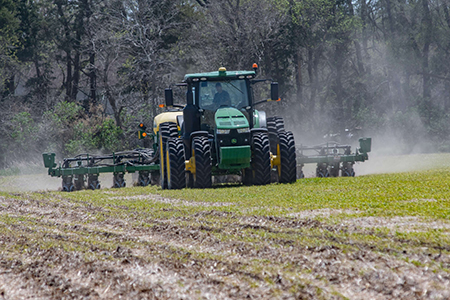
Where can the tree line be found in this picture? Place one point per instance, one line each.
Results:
(79, 75)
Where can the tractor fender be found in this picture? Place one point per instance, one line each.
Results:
(262, 119)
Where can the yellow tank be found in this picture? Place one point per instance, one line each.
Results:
(168, 116)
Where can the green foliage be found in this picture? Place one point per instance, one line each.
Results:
(23, 129)
(81, 141)
(65, 114)
(108, 136)
(9, 35)
(105, 137)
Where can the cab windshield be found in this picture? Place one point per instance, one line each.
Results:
(227, 93)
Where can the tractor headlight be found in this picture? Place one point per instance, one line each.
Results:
(223, 131)
(243, 130)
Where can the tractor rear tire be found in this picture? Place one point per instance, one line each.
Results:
(166, 131)
(288, 159)
(273, 135)
(176, 177)
(201, 150)
(278, 121)
(260, 159)
(275, 125)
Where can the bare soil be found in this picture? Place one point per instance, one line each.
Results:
(56, 248)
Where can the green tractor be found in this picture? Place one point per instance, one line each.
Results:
(219, 132)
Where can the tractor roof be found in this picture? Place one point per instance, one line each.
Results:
(219, 75)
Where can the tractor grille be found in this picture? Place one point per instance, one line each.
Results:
(233, 138)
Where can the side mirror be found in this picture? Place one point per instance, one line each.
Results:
(168, 95)
(274, 91)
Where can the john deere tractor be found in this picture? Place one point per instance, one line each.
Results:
(219, 132)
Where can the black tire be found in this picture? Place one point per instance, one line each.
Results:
(347, 170)
(67, 184)
(176, 177)
(273, 135)
(275, 125)
(278, 121)
(288, 159)
(201, 151)
(334, 170)
(322, 170)
(119, 180)
(260, 159)
(93, 182)
(166, 131)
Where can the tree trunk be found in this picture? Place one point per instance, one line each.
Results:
(337, 86)
(10, 85)
(69, 78)
(76, 75)
(427, 25)
(92, 79)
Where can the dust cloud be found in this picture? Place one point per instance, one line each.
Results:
(41, 181)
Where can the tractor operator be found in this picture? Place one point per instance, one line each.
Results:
(221, 98)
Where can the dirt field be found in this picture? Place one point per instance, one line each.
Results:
(58, 248)
(134, 244)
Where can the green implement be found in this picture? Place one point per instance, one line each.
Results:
(82, 171)
(333, 157)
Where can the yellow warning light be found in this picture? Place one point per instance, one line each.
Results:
(161, 105)
(141, 125)
(255, 66)
(144, 134)
(222, 69)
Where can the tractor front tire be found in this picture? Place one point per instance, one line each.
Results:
(176, 177)
(201, 151)
(260, 159)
